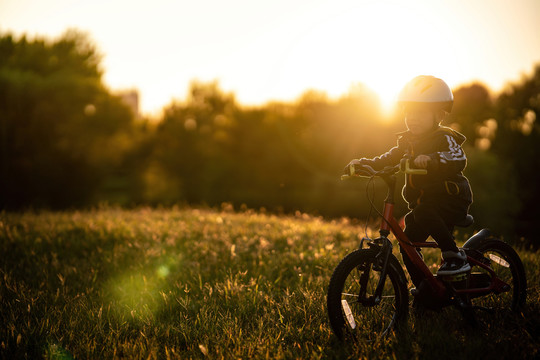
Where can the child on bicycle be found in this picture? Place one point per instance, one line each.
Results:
(440, 199)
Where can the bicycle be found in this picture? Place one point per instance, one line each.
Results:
(368, 294)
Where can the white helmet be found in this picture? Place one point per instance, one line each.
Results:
(427, 90)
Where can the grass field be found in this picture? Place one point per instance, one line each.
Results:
(196, 283)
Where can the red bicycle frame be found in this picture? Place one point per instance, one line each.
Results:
(390, 224)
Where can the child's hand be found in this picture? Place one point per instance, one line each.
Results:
(353, 162)
(422, 161)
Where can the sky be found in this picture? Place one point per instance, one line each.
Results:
(264, 50)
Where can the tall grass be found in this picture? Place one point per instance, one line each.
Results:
(195, 283)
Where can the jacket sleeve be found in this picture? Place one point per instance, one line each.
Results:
(450, 159)
(389, 158)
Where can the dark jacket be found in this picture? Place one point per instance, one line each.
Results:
(444, 180)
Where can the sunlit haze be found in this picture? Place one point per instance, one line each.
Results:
(275, 50)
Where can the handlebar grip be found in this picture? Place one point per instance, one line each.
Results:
(352, 172)
(405, 167)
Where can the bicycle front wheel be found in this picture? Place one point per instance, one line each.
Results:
(352, 308)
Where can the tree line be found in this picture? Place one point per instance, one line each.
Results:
(68, 142)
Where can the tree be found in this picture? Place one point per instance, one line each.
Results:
(518, 136)
(192, 147)
(473, 105)
(58, 122)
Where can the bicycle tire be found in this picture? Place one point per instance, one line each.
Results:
(508, 266)
(348, 317)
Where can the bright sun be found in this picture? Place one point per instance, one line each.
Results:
(382, 45)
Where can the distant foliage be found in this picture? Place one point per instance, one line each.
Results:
(518, 143)
(59, 126)
(66, 141)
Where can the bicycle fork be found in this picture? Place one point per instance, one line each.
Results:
(381, 262)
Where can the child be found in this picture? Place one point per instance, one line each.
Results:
(440, 199)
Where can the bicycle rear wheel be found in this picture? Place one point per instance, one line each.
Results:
(507, 265)
(353, 283)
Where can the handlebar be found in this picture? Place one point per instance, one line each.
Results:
(367, 171)
(404, 166)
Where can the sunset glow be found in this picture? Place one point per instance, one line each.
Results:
(277, 50)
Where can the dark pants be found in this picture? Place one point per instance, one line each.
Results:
(435, 218)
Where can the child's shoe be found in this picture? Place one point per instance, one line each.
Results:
(453, 263)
